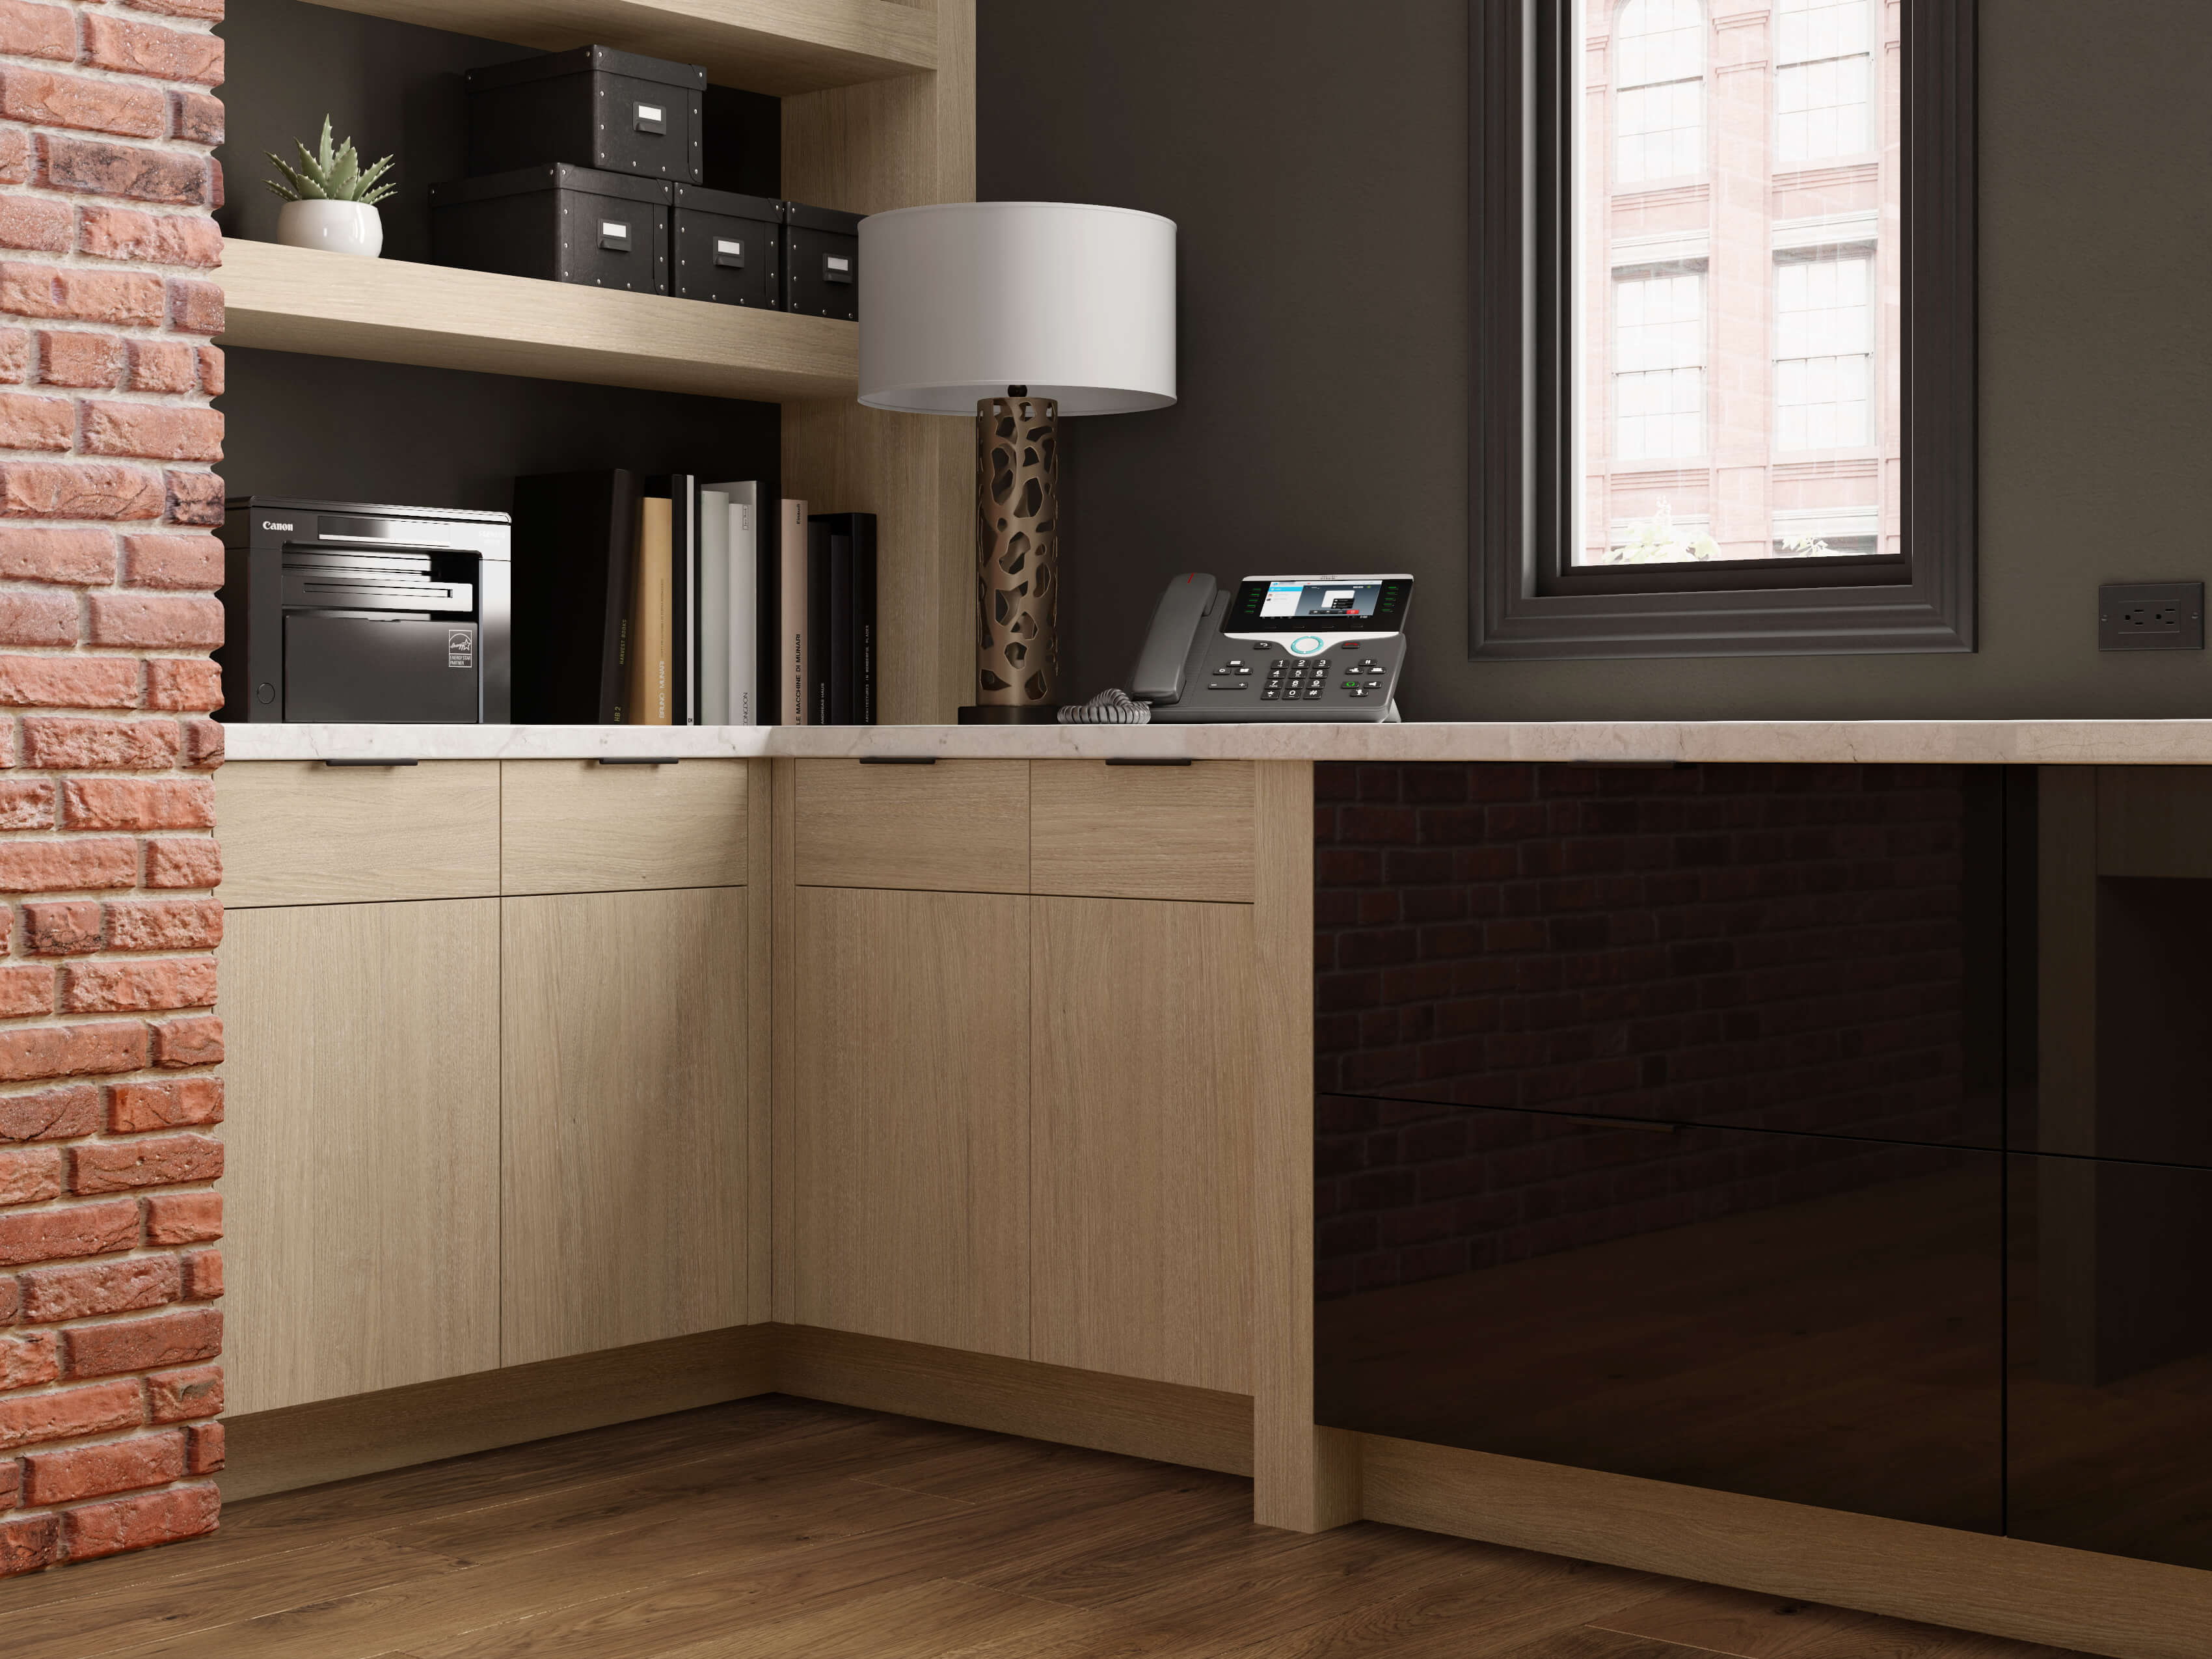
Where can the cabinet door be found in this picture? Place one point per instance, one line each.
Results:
(361, 1192)
(912, 1109)
(624, 1166)
(300, 832)
(1142, 1106)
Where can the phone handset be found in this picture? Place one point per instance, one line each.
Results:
(1159, 677)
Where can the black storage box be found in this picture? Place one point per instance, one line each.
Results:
(727, 248)
(820, 262)
(564, 223)
(352, 612)
(593, 107)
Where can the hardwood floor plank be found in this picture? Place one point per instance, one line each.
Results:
(1738, 1623)
(771, 1529)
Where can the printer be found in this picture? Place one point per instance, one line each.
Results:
(346, 612)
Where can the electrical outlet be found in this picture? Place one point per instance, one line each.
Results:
(2150, 617)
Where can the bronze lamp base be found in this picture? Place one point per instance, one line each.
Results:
(1017, 560)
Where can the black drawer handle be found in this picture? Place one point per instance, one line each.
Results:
(640, 760)
(1133, 760)
(898, 760)
(372, 763)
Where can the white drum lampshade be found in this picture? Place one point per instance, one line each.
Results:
(1017, 312)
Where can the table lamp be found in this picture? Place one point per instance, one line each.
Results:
(1022, 312)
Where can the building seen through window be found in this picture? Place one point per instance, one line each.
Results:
(1737, 326)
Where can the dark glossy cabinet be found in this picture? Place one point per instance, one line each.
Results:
(1840, 1135)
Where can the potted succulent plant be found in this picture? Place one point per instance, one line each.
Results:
(330, 199)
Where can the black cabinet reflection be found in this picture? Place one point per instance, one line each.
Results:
(1808, 948)
(1792, 1316)
(2109, 1356)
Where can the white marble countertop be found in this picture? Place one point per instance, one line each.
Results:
(2113, 742)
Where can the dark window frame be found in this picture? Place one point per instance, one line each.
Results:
(1527, 598)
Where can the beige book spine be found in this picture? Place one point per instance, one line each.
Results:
(649, 689)
(791, 606)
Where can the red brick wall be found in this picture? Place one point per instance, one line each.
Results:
(1768, 947)
(108, 1273)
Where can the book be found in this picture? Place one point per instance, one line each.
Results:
(577, 536)
(850, 624)
(713, 606)
(743, 628)
(791, 613)
(841, 639)
(651, 689)
(819, 656)
(681, 490)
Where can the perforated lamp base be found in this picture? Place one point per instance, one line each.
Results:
(1017, 560)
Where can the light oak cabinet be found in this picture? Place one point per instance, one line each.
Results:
(1153, 832)
(363, 1148)
(912, 1116)
(1141, 1068)
(572, 826)
(624, 1171)
(951, 825)
(300, 832)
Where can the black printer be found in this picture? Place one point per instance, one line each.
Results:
(345, 613)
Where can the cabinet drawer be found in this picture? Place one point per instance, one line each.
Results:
(298, 832)
(579, 827)
(955, 826)
(1162, 832)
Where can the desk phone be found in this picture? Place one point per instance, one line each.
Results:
(1275, 648)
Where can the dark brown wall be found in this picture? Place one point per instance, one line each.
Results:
(1316, 165)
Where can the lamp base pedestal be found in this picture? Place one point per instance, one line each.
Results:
(1005, 714)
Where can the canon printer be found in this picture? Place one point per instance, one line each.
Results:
(340, 611)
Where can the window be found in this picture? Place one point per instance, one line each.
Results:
(1723, 383)
(1659, 115)
(1823, 81)
(1659, 380)
(1823, 354)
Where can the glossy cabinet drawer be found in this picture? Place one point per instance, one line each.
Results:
(300, 832)
(948, 826)
(1157, 832)
(570, 826)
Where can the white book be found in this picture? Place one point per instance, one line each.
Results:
(713, 635)
(744, 602)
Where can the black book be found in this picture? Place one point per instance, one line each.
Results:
(682, 489)
(576, 547)
(853, 542)
(840, 627)
(818, 701)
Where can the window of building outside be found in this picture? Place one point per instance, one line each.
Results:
(1763, 424)
(1710, 386)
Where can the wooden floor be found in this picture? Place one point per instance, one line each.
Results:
(782, 1528)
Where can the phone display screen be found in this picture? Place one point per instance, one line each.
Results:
(1330, 605)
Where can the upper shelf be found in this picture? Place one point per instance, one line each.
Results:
(778, 47)
(339, 305)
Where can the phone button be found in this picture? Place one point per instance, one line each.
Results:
(1305, 645)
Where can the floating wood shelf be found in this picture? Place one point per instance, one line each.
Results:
(338, 305)
(779, 46)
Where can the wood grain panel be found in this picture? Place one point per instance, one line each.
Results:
(579, 827)
(1157, 832)
(913, 1116)
(395, 1428)
(1201, 1428)
(361, 1191)
(956, 826)
(778, 47)
(866, 149)
(783, 1072)
(1141, 1052)
(624, 1133)
(2005, 1586)
(2152, 820)
(760, 1043)
(298, 832)
(393, 311)
(1304, 1478)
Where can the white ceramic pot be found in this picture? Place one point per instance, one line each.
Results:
(338, 227)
